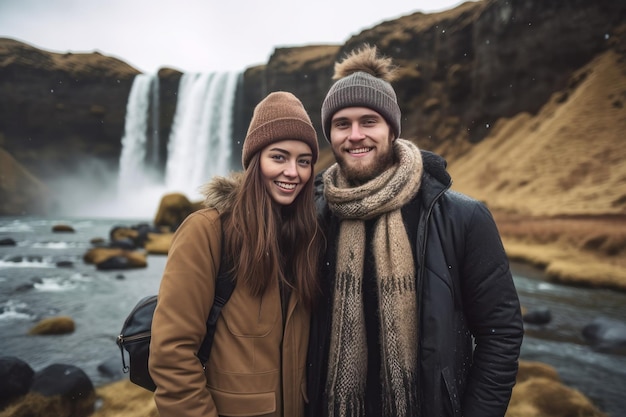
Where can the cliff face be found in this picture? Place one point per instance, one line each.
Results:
(461, 71)
(56, 109)
(60, 110)
(169, 80)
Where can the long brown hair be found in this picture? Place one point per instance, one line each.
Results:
(266, 241)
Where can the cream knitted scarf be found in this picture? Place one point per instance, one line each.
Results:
(381, 198)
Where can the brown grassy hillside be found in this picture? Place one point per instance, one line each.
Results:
(569, 159)
(556, 181)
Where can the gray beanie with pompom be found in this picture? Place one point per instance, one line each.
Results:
(363, 80)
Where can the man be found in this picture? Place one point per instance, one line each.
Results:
(420, 316)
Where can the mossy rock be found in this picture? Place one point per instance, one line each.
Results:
(173, 209)
(62, 228)
(96, 256)
(54, 325)
(159, 243)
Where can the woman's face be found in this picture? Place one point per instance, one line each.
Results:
(286, 166)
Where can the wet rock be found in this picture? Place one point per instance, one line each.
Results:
(16, 377)
(606, 335)
(159, 243)
(124, 237)
(123, 243)
(66, 388)
(53, 325)
(540, 315)
(61, 379)
(115, 258)
(173, 209)
(115, 262)
(144, 230)
(19, 259)
(98, 241)
(25, 287)
(63, 228)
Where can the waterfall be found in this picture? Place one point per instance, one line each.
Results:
(155, 159)
(200, 143)
(133, 171)
(198, 148)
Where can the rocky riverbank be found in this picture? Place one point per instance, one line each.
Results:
(538, 393)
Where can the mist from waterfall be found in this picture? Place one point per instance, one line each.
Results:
(199, 145)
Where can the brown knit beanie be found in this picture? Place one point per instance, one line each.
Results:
(363, 81)
(279, 116)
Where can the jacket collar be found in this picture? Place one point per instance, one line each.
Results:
(220, 192)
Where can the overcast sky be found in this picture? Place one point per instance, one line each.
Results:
(195, 35)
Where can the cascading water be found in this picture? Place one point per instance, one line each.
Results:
(133, 171)
(199, 145)
(154, 157)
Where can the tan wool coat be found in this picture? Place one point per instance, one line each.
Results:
(257, 362)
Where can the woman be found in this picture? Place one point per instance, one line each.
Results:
(266, 219)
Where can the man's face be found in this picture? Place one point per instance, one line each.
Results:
(361, 141)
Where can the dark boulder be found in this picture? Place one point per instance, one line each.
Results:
(540, 315)
(16, 377)
(64, 264)
(115, 258)
(67, 387)
(606, 335)
(68, 381)
(115, 262)
(123, 243)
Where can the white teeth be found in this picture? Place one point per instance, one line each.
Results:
(286, 185)
(360, 150)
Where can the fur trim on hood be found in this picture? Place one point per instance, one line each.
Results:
(219, 193)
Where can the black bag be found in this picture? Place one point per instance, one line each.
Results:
(136, 333)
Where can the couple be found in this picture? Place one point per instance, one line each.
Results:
(371, 290)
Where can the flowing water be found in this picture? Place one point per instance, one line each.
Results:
(600, 376)
(33, 287)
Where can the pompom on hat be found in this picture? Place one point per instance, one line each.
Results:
(363, 80)
(279, 116)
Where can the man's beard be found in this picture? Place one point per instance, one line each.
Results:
(358, 174)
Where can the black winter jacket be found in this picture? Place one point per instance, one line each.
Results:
(470, 327)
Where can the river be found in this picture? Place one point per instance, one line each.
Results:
(33, 287)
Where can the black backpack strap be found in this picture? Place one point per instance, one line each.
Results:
(224, 287)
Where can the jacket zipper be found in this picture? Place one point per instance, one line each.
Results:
(420, 277)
